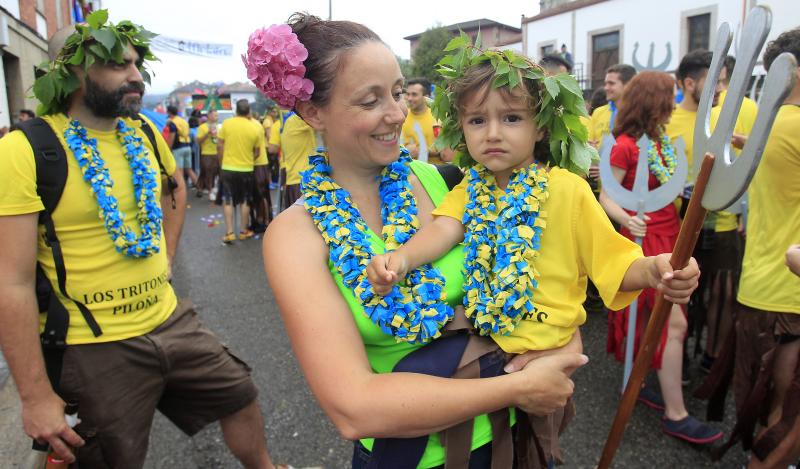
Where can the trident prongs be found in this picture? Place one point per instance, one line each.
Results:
(729, 179)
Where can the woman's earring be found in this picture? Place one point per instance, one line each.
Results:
(320, 143)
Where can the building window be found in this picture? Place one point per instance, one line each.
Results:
(605, 53)
(547, 50)
(699, 31)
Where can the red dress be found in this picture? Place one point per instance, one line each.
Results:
(662, 232)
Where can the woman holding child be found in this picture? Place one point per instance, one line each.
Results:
(364, 196)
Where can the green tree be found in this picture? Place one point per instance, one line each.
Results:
(405, 66)
(261, 104)
(429, 51)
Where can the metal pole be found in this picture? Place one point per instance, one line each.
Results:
(633, 311)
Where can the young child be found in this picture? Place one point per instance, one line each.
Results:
(533, 232)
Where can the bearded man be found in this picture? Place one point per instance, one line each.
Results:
(127, 345)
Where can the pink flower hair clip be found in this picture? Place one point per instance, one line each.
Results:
(274, 63)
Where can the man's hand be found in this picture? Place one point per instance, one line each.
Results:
(676, 285)
(385, 270)
(43, 420)
(594, 172)
(738, 140)
(793, 258)
(413, 149)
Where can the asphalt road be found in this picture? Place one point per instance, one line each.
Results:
(229, 289)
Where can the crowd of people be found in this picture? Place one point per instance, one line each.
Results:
(422, 275)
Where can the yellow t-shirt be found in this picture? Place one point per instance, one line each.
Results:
(773, 222)
(426, 123)
(183, 129)
(726, 221)
(578, 243)
(297, 142)
(599, 123)
(262, 146)
(681, 124)
(267, 122)
(241, 140)
(209, 145)
(128, 297)
(747, 113)
(275, 139)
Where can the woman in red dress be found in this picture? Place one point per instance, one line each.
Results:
(645, 108)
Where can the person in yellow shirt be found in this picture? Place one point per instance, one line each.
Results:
(238, 147)
(111, 238)
(602, 118)
(295, 141)
(272, 118)
(418, 91)
(768, 318)
(536, 301)
(727, 248)
(262, 200)
(749, 110)
(209, 161)
(178, 139)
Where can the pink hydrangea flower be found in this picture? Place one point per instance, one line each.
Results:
(274, 63)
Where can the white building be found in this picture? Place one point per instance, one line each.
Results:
(648, 34)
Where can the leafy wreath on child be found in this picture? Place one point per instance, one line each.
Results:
(560, 103)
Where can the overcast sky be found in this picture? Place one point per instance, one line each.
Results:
(232, 21)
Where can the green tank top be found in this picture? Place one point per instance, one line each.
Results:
(383, 352)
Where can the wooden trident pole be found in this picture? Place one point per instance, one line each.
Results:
(720, 180)
(684, 246)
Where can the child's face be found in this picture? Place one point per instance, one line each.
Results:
(500, 131)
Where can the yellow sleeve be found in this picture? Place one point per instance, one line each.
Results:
(221, 132)
(454, 202)
(275, 135)
(604, 254)
(592, 127)
(18, 181)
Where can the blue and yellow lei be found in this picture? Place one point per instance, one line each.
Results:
(412, 312)
(96, 174)
(663, 171)
(501, 245)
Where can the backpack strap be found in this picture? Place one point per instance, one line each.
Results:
(51, 177)
(172, 184)
(451, 174)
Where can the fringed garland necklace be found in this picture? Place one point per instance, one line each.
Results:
(96, 174)
(662, 170)
(501, 245)
(414, 311)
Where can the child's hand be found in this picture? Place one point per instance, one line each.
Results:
(793, 258)
(676, 285)
(384, 270)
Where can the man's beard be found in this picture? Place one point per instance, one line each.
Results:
(104, 103)
(697, 92)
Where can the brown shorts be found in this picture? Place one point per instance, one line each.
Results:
(237, 187)
(181, 368)
(757, 333)
(727, 252)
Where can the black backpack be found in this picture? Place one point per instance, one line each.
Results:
(51, 177)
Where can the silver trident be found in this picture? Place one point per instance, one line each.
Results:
(720, 181)
(642, 200)
(729, 179)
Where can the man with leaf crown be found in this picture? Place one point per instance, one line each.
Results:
(84, 201)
